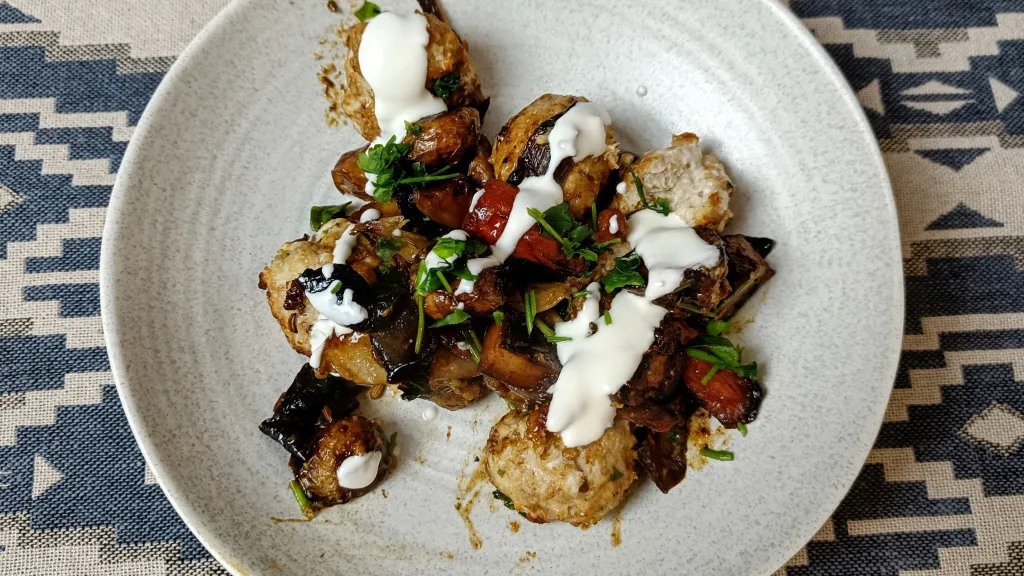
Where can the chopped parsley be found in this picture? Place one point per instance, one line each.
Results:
(336, 288)
(616, 474)
(607, 318)
(385, 161)
(445, 85)
(448, 247)
(300, 496)
(367, 11)
(661, 205)
(549, 334)
(499, 495)
(320, 215)
(413, 128)
(742, 428)
(499, 316)
(456, 317)
(716, 327)
(388, 247)
(474, 345)
(444, 281)
(722, 355)
(557, 223)
(580, 294)
(624, 274)
(530, 303)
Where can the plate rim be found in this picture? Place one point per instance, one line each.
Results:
(108, 284)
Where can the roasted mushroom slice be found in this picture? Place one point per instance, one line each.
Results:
(451, 75)
(350, 457)
(547, 482)
(445, 139)
(748, 270)
(695, 184)
(521, 150)
(348, 177)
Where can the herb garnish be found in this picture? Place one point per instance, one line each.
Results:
(716, 327)
(384, 160)
(444, 281)
(557, 223)
(413, 128)
(616, 474)
(549, 333)
(456, 317)
(499, 495)
(722, 355)
(607, 317)
(530, 303)
(499, 316)
(320, 215)
(448, 247)
(661, 205)
(336, 288)
(581, 294)
(742, 428)
(445, 85)
(388, 247)
(367, 11)
(300, 496)
(474, 345)
(723, 455)
(624, 274)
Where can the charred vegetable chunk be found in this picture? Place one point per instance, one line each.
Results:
(336, 442)
(303, 406)
(726, 396)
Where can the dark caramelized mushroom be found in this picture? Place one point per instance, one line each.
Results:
(343, 438)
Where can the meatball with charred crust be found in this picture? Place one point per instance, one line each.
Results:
(521, 150)
(349, 459)
(695, 184)
(447, 57)
(548, 482)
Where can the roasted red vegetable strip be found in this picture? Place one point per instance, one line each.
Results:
(726, 396)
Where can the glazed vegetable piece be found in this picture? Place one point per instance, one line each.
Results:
(351, 456)
(521, 151)
(445, 139)
(446, 203)
(299, 408)
(451, 76)
(480, 169)
(662, 455)
(513, 369)
(547, 482)
(348, 177)
(748, 270)
(726, 396)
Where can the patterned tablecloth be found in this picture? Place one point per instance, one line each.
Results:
(942, 82)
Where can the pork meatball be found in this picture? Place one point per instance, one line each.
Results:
(446, 54)
(548, 482)
(521, 151)
(695, 184)
(349, 356)
(326, 478)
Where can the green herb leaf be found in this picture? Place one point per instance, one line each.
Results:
(445, 85)
(711, 374)
(723, 455)
(425, 281)
(419, 324)
(388, 247)
(463, 272)
(384, 161)
(661, 205)
(456, 317)
(616, 474)
(742, 428)
(559, 218)
(320, 215)
(336, 288)
(593, 216)
(716, 327)
(673, 434)
(530, 301)
(300, 496)
(624, 274)
(549, 334)
(607, 317)
(581, 294)
(414, 129)
(367, 11)
(444, 281)
(501, 472)
(392, 443)
(511, 405)
(599, 246)
(499, 316)
(474, 345)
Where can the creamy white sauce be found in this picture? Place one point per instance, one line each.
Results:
(393, 59)
(370, 215)
(322, 330)
(578, 133)
(344, 245)
(613, 224)
(334, 316)
(396, 232)
(462, 346)
(434, 261)
(429, 411)
(476, 198)
(597, 365)
(668, 247)
(475, 266)
(620, 188)
(359, 471)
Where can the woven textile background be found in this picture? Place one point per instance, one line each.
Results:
(942, 82)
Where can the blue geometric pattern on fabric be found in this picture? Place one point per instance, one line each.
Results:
(47, 197)
(897, 14)
(76, 300)
(873, 497)
(996, 286)
(11, 15)
(76, 254)
(962, 218)
(103, 480)
(30, 363)
(934, 431)
(954, 158)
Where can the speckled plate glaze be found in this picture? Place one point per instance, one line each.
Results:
(234, 149)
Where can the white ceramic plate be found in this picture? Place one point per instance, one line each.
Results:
(233, 150)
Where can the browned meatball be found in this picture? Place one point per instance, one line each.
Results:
(549, 482)
(446, 54)
(352, 436)
(521, 151)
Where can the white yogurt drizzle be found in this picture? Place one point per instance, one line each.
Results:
(334, 317)
(429, 411)
(359, 471)
(578, 133)
(613, 224)
(475, 267)
(435, 262)
(370, 215)
(476, 198)
(596, 365)
(393, 59)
